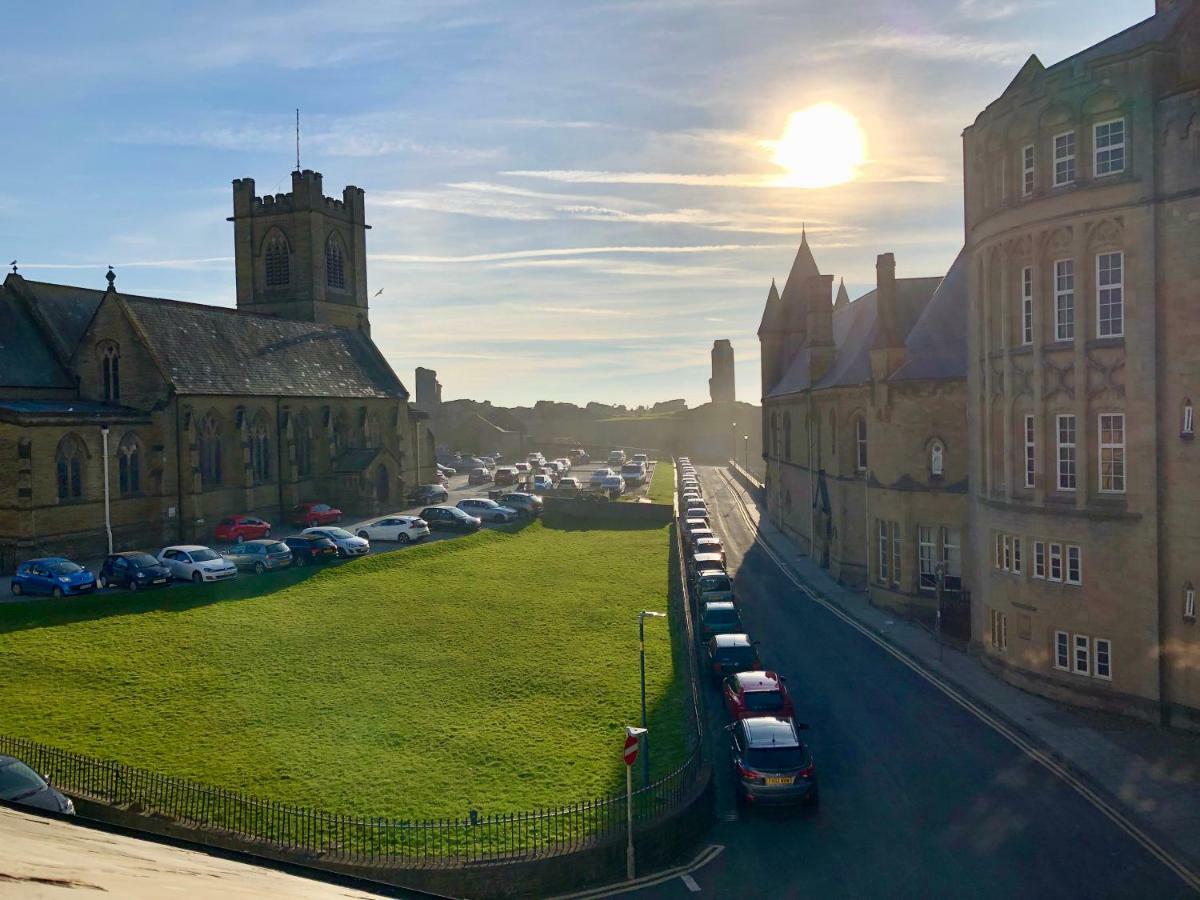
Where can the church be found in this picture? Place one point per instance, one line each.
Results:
(142, 421)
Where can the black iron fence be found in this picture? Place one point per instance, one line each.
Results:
(400, 842)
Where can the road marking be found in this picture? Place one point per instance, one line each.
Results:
(690, 883)
(703, 858)
(1180, 868)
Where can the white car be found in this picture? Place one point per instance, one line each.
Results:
(564, 464)
(192, 562)
(614, 484)
(347, 544)
(616, 458)
(488, 510)
(401, 529)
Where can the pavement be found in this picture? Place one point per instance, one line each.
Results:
(457, 487)
(937, 779)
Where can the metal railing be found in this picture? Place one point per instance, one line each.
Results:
(443, 842)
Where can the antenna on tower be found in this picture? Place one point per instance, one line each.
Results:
(297, 139)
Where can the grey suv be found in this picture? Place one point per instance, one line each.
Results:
(260, 555)
(527, 505)
(770, 762)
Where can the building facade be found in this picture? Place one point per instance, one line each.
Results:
(154, 418)
(1082, 192)
(721, 387)
(863, 429)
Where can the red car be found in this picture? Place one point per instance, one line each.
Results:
(235, 529)
(310, 515)
(752, 694)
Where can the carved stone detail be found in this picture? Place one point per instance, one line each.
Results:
(1057, 379)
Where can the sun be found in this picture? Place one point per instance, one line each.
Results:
(821, 146)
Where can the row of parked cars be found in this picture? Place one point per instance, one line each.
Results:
(770, 762)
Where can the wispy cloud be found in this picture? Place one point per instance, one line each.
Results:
(933, 45)
(546, 252)
(201, 262)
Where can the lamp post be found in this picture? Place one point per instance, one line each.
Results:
(940, 569)
(746, 452)
(642, 642)
(107, 503)
(733, 441)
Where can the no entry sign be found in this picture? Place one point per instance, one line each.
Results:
(631, 749)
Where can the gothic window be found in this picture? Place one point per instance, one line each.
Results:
(335, 265)
(303, 445)
(276, 261)
(209, 445)
(129, 465)
(69, 463)
(937, 458)
(340, 434)
(260, 450)
(110, 371)
(860, 444)
(371, 433)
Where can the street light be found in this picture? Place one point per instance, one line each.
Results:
(746, 454)
(642, 641)
(733, 441)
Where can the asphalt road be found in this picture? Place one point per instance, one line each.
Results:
(919, 798)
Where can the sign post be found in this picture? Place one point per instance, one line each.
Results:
(630, 752)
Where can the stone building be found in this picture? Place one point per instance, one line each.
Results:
(721, 384)
(1082, 191)
(180, 414)
(429, 390)
(863, 429)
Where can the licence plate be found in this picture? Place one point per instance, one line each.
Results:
(160, 581)
(782, 779)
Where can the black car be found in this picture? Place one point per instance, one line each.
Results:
(720, 617)
(729, 654)
(450, 518)
(311, 548)
(20, 784)
(133, 570)
(428, 493)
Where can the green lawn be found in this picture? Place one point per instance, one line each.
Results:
(662, 485)
(491, 672)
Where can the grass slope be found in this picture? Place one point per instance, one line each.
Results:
(491, 672)
(662, 485)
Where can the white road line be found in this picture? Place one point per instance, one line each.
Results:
(703, 858)
(690, 883)
(1180, 868)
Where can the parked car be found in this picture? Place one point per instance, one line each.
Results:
(450, 518)
(133, 570)
(523, 468)
(313, 514)
(641, 458)
(505, 475)
(447, 470)
(771, 763)
(428, 493)
(347, 544)
(235, 529)
(711, 585)
(553, 466)
(729, 654)
(708, 544)
(543, 483)
(753, 692)
(701, 531)
(700, 562)
(634, 473)
(479, 476)
(401, 529)
(690, 499)
(692, 525)
(564, 464)
(528, 505)
(262, 555)
(487, 510)
(613, 484)
(489, 462)
(697, 512)
(579, 456)
(53, 575)
(598, 476)
(616, 458)
(311, 548)
(568, 485)
(21, 785)
(194, 563)
(720, 617)
(442, 479)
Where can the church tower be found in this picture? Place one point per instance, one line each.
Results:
(301, 255)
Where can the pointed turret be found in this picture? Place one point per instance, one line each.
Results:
(843, 299)
(794, 299)
(772, 317)
(770, 339)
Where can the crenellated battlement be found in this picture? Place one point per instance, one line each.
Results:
(307, 194)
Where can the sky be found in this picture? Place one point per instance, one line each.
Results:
(569, 200)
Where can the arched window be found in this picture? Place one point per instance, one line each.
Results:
(69, 459)
(277, 261)
(209, 445)
(303, 434)
(1189, 601)
(937, 458)
(1189, 419)
(787, 435)
(110, 370)
(260, 450)
(371, 432)
(335, 265)
(129, 465)
(860, 443)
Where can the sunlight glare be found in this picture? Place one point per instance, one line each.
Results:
(821, 146)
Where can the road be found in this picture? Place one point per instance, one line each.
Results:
(919, 798)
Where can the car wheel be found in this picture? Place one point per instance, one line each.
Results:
(16, 589)
(133, 586)
(403, 537)
(301, 560)
(57, 593)
(239, 538)
(267, 533)
(100, 582)
(312, 523)
(364, 535)
(197, 578)
(259, 568)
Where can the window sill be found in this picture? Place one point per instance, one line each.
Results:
(1096, 343)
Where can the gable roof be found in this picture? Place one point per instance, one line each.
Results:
(793, 308)
(28, 357)
(937, 345)
(772, 319)
(1153, 30)
(64, 310)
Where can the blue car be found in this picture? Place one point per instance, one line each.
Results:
(52, 575)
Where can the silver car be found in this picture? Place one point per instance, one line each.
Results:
(260, 555)
(770, 762)
(487, 510)
(347, 544)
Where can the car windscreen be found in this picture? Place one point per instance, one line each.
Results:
(203, 555)
(18, 780)
(65, 567)
(763, 701)
(740, 655)
(142, 561)
(340, 533)
(720, 616)
(715, 583)
(776, 759)
(277, 547)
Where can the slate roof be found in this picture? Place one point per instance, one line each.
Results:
(804, 267)
(65, 310)
(854, 328)
(937, 345)
(27, 355)
(69, 409)
(215, 350)
(1149, 31)
(355, 459)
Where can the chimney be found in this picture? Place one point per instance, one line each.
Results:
(887, 350)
